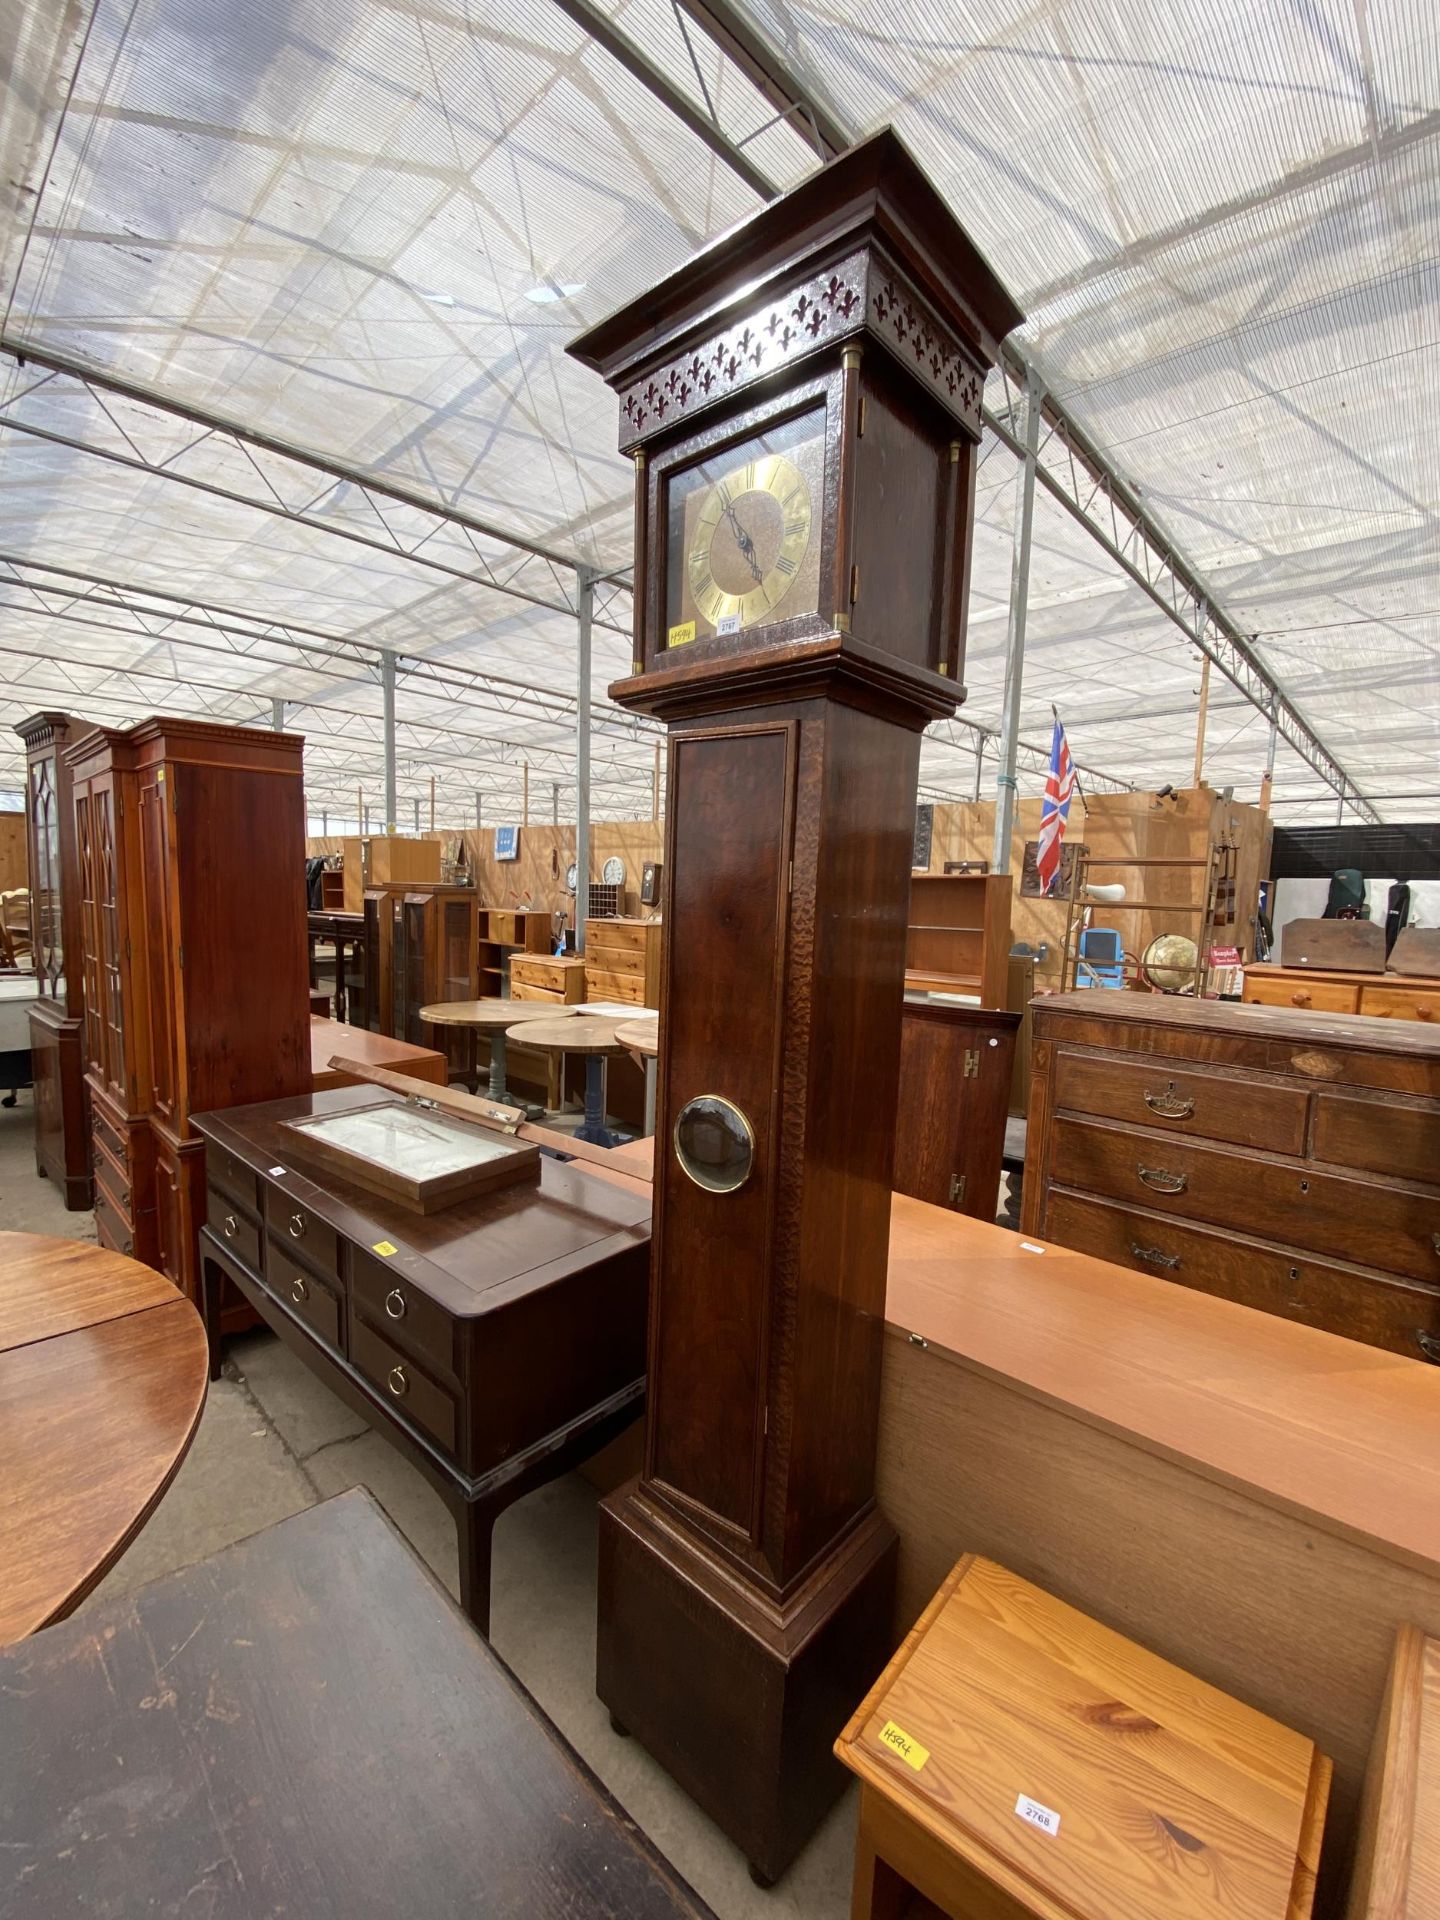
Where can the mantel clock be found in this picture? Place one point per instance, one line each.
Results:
(802, 405)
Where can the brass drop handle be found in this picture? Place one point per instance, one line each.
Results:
(299, 1291)
(1300, 998)
(398, 1382)
(395, 1304)
(1161, 1181)
(1169, 1104)
(297, 1226)
(1154, 1255)
(1428, 1344)
(231, 1228)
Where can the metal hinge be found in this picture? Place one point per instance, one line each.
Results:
(972, 1062)
(860, 420)
(957, 1189)
(854, 583)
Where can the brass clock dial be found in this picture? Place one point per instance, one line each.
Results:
(750, 540)
(743, 529)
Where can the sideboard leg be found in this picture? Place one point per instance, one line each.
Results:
(474, 1526)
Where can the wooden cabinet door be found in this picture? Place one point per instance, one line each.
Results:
(46, 936)
(88, 860)
(950, 1116)
(162, 959)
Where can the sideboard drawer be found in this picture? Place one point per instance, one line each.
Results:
(522, 990)
(1401, 1003)
(1158, 1094)
(227, 1171)
(1314, 996)
(239, 1234)
(308, 1298)
(112, 1138)
(1371, 1307)
(627, 988)
(302, 1232)
(112, 1227)
(408, 1317)
(565, 979)
(1383, 1136)
(402, 1384)
(629, 936)
(1349, 1219)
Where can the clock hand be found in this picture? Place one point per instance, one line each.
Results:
(743, 541)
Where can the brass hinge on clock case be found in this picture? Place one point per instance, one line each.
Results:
(854, 583)
(972, 1062)
(860, 419)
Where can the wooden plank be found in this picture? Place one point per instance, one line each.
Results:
(329, 1038)
(50, 1287)
(1397, 1855)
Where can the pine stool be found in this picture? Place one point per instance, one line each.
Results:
(1019, 1761)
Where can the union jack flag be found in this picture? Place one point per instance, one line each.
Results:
(1054, 810)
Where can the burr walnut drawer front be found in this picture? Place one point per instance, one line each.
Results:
(1156, 1094)
(409, 1317)
(303, 1232)
(227, 1171)
(1387, 1227)
(403, 1385)
(1314, 996)
(1382, 1135)
(1401, 1003)
(628, 988)
(234, 1227)
(307, 1297)
(1394, 1314)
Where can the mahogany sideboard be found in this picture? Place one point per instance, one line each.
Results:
(494, 1344)
(1286, 1160)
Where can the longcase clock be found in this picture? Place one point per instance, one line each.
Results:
(802, 405)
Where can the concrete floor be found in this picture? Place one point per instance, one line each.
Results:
(272, 1441)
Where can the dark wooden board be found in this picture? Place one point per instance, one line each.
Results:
(1349, 946)
(303, 1724)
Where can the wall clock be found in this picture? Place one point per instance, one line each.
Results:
(570, 873)
(613, 871)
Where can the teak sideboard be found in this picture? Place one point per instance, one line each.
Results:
(1284, 1160)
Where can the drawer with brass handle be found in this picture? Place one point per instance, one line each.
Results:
(408, 1317)
(229, 1173)
(1401, 1316)
(295, 1226)
(238, 1231)
(403, 1383)
(1340, 1216)
(1183, 1099)
(307, 1297)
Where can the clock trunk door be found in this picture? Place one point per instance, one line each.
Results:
(731, 799)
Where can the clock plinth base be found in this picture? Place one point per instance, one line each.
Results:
(740, 1699)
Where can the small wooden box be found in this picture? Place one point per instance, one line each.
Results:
(1018, 1760)
(426, 1161)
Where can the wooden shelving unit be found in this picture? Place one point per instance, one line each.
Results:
(958, 936)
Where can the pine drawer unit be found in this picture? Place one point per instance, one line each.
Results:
(1385, 996)
(558, 978)
(1285, 1159)
(622, 961)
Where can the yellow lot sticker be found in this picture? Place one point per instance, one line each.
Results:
(681, 635)
(898, 1741)
(385, 1248)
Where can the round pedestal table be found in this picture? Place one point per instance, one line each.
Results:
(493, 1018)
(598, 1040)
(103, 1370)
(642, 1038)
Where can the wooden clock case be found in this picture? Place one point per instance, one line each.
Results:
(746, 1577)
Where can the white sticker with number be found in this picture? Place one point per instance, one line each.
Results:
(1045, 1818)
(728, 623)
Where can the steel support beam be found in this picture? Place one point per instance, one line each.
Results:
(1015, 635)
(585, 583)
(387, 695)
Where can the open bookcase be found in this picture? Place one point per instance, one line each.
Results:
(958, 936)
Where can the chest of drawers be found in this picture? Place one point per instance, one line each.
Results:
(1283, 1159)
(494, 1344)
(622, 961)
